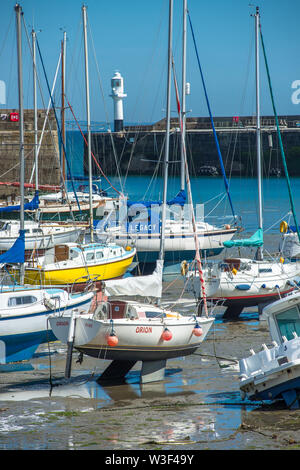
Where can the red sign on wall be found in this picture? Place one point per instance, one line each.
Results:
(14, 117)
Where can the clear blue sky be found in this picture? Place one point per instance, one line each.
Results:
(131, 37)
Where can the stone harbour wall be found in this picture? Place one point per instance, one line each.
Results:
(49, 168)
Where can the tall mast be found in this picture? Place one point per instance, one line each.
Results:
(88, 120)
(183, 95)
(259, 253)
(18, 10)
(168, 113)
(63, 83)
(33, 33)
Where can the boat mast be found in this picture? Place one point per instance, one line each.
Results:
(63, 82)
(183, 95)
(259, 253)
(33, 33)
(88, 120)
(18, 10)
(166, 156)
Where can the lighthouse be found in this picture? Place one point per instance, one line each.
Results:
(117, 94)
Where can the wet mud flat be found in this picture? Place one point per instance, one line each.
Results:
(197, 407)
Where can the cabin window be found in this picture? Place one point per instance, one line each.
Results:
(99, 254)
(155, 314)
(288, 322)
(73, 254)
(22, 300)
(90, 256)
(37, 230)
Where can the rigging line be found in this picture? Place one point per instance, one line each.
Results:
(16, 165)
(6, 33)
(155, 173)
(105, 110)
(47, 120)
(95, 160)
(188, 184)
(279, 136)
(57, 123)
(211, 117)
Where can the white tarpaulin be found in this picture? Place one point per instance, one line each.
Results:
(146, 286)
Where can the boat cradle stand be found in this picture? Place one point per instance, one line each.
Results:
(151, 371)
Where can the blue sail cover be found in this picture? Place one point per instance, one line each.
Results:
(255, 240)
(179, 199)
(29, 206)
(16, 254)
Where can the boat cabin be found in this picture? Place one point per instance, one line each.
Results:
(92, 253)
(283, 317)
(119, 309)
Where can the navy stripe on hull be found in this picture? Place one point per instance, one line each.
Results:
(251, 301)
(277, 391)
(135, 354)
(176, 256)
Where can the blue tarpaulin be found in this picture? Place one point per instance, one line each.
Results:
(16, 254)
(179, 199)
(29, 206)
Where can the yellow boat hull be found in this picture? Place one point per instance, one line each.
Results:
(77, 275)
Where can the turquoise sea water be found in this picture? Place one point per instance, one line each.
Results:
(209, 191)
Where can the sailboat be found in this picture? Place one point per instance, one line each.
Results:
(72, 264)
(143, 231)
(38, 236)
(63, 205)
(127, 331)
(243, 282)
(24, 310)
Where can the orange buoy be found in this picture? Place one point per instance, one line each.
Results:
(166, 335)
(112, 340)
(197, 331)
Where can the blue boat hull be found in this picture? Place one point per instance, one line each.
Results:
(288, 391)
(22, 347)
(21, 335)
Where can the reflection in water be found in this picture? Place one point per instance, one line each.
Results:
(198, 405)
(87, 387)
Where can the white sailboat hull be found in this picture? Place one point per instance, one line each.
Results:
(180, 244)
(138, 339)
(257, 282)
(38, 237)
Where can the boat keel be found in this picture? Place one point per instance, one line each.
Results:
(232, 312)
(151, 371)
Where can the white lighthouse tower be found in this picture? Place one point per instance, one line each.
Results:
(117, 88)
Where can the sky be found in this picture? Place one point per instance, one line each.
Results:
(132, 37)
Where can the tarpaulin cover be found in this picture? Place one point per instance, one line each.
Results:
(16, 254)
(179, 199)
(255, 240)
(29, 206)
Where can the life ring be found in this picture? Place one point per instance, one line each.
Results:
(184, 268)
(283, 226)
